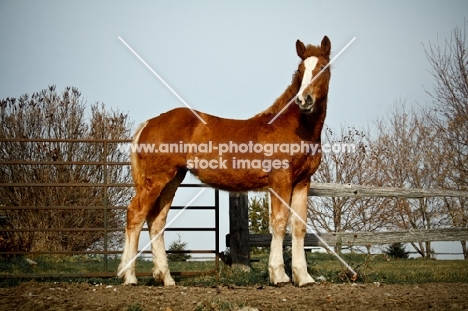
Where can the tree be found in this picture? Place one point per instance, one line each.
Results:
(407, 156)
(450, 94)
(178, 245)
(449, 116)
(351, 163)
(47, 114)
(259, 218)
(397, 250)
(259, 215)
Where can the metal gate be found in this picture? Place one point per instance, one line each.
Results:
(105, 256)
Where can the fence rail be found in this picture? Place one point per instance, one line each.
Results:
(350, 190)
(369, 238)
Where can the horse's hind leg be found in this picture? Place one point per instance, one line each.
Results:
(156, 220)
(137, 212)
(132, 235)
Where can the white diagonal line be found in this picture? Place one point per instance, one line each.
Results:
(318, 236)
(159, 233)
(161, 79)
(324, 68)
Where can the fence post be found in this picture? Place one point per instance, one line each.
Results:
(239, 230)
(105, 199)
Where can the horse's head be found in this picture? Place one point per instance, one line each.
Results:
(314, 72)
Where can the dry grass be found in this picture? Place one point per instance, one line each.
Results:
(322, 267)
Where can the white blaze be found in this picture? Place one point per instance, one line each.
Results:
(309, 64)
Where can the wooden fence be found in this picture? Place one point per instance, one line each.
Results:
(239, 240)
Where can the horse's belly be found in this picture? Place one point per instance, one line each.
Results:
(233, 179)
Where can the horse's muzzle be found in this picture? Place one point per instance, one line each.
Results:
(307, 105)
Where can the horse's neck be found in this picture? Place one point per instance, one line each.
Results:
(316, 119)
(312, 122)
(282, 101)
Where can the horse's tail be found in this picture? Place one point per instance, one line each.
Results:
(137, 171)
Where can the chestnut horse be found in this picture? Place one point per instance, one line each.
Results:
(256, 154)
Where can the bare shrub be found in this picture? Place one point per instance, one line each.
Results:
(50, 115)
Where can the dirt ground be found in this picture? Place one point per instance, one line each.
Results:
(323, 296)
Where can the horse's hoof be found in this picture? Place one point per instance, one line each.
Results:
(308, 284)
(131, 284)
(282, 284)
(167, 284)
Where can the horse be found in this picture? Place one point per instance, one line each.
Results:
(235, 155)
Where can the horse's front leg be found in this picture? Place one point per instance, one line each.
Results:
(278, 222)
(298, 227)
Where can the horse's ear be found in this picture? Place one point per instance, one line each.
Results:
(326, 47)
(300, 49)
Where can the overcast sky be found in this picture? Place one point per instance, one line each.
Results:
(228, 59)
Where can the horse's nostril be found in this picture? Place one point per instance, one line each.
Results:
(298, 101)
(309, 100)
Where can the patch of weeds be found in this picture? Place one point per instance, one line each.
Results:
(134, 307)
(365, 270)
(228, 276)
(7, 282)
(15, 265)
(257, 276)
(327, 267)
(218, 304)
